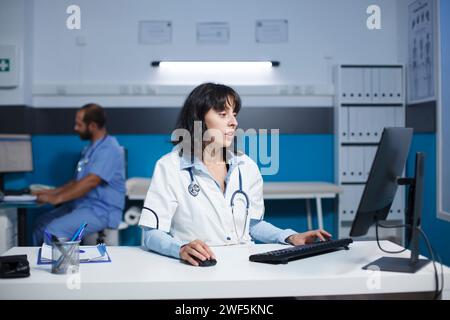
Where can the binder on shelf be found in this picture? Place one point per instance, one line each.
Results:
(359, 85)
(346, 84)
(343, 124)
(356, 164)
(398, 78)
(362, 123)
(343, 202)
(360, 164)
(373, 128)
(383, 121)
(376, 85)
(353, 124)
(344, 164)
(367, 85)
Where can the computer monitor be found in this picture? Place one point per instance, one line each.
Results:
(384, 178)
(15, 155)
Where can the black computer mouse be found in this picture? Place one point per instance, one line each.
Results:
(206, 263)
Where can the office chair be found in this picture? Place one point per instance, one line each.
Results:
(109, 236)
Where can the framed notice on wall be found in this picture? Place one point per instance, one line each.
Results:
(421, 57)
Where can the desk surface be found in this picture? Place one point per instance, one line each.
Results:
(138, 274)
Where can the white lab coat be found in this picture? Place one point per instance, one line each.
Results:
(208, 217)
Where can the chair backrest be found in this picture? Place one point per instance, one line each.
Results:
(125, 154)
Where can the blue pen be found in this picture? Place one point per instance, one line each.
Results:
(48, 236)
(77, 233)
(80, 235)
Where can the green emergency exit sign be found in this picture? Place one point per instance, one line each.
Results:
(4, 65)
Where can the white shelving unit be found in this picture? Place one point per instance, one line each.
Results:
(368, 99)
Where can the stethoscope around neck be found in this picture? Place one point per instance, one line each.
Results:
(194, 190)
(85, 158)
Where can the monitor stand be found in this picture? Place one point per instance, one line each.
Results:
(394, 264)
(412, 219)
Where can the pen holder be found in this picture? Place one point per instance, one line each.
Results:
(65, 256)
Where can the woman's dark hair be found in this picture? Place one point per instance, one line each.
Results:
(203, 98)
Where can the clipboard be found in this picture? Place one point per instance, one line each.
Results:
(102, 249)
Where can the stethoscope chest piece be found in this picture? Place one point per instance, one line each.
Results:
(194, 189)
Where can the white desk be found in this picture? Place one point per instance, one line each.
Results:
(137, 189)
(138, 274)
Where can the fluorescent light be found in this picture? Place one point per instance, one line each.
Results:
(214, 65)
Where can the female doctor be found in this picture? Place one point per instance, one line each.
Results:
(202, 194)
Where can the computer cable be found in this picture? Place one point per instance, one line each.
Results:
(432, 252)
(378, 224)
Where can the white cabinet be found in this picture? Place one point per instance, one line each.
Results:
(8, 229)
(369, 98)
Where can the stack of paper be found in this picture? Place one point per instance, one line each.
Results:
(96, 253)
(23, 197)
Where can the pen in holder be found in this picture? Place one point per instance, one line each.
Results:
(65, 256)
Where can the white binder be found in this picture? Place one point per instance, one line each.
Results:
(345, 200)
(376, 89)
(352, 124)
(399, 88)
(359, 85)
(343, 124)
(344, 164)
(356, 164)
(367, 85)
(346, 84)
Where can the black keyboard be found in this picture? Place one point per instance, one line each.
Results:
(299, 252)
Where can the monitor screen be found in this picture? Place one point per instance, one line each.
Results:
(15, 153)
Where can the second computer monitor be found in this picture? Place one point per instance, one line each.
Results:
(382, 183)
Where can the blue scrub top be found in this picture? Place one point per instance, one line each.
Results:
(105, 158)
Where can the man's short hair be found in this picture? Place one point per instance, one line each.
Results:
(94, 113)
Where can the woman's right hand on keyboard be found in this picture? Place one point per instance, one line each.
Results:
(308, 237)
